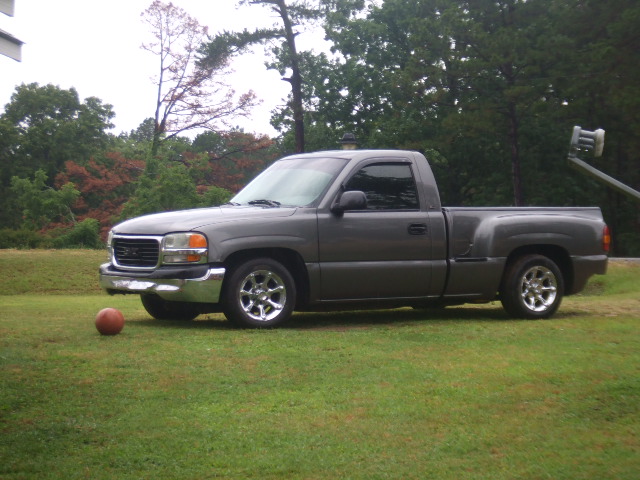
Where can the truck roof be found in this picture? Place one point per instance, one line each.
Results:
(355, 154)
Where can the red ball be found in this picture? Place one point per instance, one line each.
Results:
(109, 321)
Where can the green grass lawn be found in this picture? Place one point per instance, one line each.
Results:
(460, 393)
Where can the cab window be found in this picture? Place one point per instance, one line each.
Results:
(388, 186)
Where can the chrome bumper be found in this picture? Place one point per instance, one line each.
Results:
(205, 289)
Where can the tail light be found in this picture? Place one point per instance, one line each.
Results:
(606, 239)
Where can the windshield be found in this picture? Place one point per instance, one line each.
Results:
(292, 181)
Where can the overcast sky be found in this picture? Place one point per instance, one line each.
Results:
(94, 46)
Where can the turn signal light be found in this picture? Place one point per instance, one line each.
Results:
(606, 239)
(197, 241)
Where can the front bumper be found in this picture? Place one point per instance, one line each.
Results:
(200, 284)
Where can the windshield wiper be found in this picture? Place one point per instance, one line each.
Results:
(270, 203)
(233, 204)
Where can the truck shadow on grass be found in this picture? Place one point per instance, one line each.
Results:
(346, 320)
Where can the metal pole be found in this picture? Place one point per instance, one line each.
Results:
(604, 178)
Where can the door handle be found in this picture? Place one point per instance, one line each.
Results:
(417, 229)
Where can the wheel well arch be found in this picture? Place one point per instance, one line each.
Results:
(291, 259)
(553, 252)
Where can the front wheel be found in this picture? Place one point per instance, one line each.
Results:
(532, 287)
(259, 293)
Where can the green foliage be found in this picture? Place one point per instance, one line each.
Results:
(214, 196)
(493, 87)
(85, 234)
(23, 238)
(100, 173)
(41, 204)
(49, 126)
(219, 49)
(41, 128)
(629, 242)
(169, 186)
(489, 89)
(144, 132)
(161, 189)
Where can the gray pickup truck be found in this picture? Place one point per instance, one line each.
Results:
(351, 229)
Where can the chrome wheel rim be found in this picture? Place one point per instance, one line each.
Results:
(539, 289)
(262, 295)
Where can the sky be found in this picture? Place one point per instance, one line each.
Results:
(94, 46)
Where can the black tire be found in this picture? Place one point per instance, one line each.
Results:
(532, 287)
(259, 293)
(161, 309)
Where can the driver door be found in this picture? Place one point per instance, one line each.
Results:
(383, 251)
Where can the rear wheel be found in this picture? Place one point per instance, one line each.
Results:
(259, 293)
(532, 287)
(161, 309)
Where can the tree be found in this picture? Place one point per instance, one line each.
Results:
(490, 91)
(290, 54)
(190, 95)
(457, 76)
(52, 126)
(510, 45)
(162, 189)
(231, 159)
(292, 14)
(144, 132)
(43, 127)
(42, 204)
(105, 185)
(598, 85)
(171, 187)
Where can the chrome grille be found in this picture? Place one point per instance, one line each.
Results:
(136, 252)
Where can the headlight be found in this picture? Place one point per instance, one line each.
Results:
(184, 248)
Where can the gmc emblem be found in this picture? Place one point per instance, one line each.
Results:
(131, 252)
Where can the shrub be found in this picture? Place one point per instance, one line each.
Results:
(22, 239)
(85, 234)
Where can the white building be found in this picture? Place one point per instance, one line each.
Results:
(10, 46)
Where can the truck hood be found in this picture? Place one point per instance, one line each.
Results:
(187, 220)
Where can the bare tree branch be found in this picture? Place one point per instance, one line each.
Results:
(189, 94)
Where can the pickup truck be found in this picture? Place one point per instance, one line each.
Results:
(351, 229)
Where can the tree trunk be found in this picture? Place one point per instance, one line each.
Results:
(516, 176)
(296, 79)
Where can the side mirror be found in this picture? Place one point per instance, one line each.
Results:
(351, 200)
